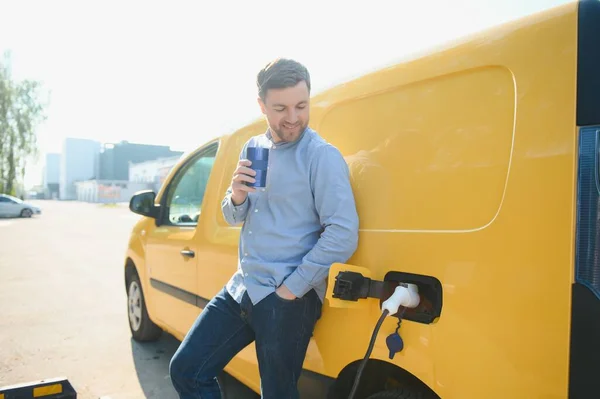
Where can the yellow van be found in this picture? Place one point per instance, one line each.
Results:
(476, 175)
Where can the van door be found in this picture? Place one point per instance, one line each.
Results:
(172, 247)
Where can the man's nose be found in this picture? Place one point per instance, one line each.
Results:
(292, 117)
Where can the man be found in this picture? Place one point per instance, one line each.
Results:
(293, 230)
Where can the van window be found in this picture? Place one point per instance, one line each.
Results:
(430, 155)
(186, 192)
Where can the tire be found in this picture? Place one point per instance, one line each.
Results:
(142, 328)
(402, 393)
(26, 213)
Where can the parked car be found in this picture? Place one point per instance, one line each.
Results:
(14, 207)
(475, 170)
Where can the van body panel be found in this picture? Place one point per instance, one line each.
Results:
(413, 156)
(495, 335)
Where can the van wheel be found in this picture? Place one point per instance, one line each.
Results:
(402, 393)
(142, 328)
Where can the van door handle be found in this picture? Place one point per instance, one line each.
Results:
(187, 253)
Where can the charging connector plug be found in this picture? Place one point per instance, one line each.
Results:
(406, 295)
(352, 286)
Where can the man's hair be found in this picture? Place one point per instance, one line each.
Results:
(280, 74)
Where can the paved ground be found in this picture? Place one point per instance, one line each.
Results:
(63, 305)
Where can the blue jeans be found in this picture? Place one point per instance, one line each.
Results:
(280, 328)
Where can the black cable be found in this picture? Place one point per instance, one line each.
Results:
(368, 354)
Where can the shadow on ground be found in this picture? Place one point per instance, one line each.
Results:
(151, 361)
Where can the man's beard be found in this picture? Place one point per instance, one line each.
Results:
(284, 137)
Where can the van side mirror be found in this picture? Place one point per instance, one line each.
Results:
(142, 203)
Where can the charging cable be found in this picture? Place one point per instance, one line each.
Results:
(406, 295)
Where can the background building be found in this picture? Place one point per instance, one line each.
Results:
(51, 177)
(88, 171)
(115, 158)
(79, 162)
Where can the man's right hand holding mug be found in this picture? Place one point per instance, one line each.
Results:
(243, 174)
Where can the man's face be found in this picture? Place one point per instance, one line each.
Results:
(287, 111)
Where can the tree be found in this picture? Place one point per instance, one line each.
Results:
(21, 112)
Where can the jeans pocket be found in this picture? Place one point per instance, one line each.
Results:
(284, 300)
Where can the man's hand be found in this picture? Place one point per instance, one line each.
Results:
(239, 191)
(285, 293)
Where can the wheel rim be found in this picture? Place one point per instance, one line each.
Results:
(27, 213)
(135, 305)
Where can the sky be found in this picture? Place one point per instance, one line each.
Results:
(179, 73)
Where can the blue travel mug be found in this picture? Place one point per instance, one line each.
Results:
(260, 160)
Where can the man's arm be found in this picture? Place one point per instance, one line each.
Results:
(234, 214)
(335, 204)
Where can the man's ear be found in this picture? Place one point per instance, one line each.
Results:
(263, 107)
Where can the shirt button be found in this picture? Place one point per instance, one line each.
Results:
(246, 274)
(263, 190)
(256, 210)
(249, 232)
(246, 254)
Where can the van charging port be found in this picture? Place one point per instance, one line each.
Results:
(352, 286)
(430, 291)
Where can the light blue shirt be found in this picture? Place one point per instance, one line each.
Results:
(303, 221)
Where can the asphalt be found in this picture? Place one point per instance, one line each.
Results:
(63, 306)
